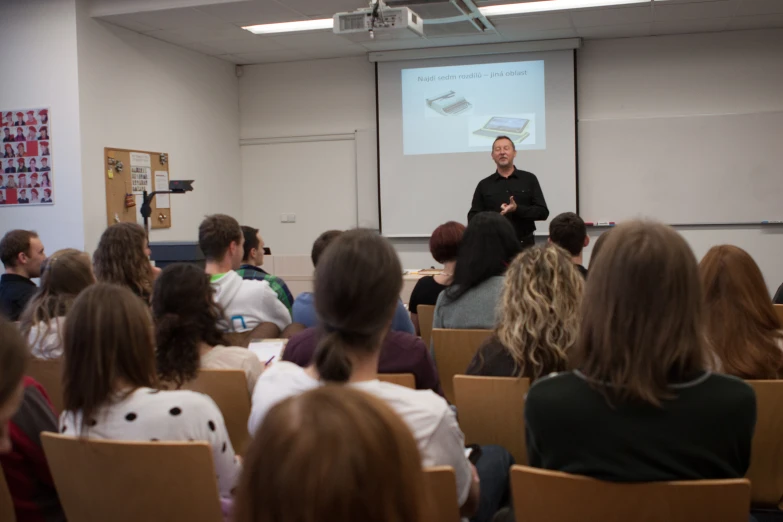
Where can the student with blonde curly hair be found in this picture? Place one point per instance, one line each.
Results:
(539, 317)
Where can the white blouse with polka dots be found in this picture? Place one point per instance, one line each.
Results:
(153, 415)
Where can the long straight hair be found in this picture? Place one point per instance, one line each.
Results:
(357, 284)
(642, 320)
(539, 312)
(108, 338)
(334, 453)
(64, 275)
(742, 326)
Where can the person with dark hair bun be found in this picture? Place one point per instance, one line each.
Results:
(444, 246)
(186, 329)
(488, 247)
(357, 286)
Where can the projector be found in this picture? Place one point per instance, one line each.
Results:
(379, 21)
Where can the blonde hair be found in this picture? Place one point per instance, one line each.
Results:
(539, 315)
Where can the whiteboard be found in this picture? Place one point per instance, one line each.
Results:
(682, 170)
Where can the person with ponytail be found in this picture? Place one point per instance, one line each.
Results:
(186, 329)
(357, 286)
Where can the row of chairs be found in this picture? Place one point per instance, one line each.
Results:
(91, 489)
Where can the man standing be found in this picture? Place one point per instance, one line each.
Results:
(22, 254)
(569, 231)
(514, 193)
(253, 260)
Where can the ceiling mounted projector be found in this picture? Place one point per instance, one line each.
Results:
(379, 21)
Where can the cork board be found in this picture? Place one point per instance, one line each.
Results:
(127, 172)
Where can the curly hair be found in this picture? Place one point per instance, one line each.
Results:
(64, 275)
(121, 259)
(185, 315)
(539, 316)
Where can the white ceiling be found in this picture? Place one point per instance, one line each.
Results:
(213, 27)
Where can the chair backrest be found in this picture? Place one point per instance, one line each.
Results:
(441, 484)
(7, 512)
(551, 496)
(766, 456)
(425, 313)
(779, 310)
(98, 481)
(262, 331)
(400, 379)
(49, 374)
(228, 388)
(491, 410)
(454, 349)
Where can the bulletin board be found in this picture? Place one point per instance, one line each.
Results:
(128, 173)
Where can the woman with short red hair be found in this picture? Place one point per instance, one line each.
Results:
(444, 245)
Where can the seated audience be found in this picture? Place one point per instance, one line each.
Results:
(639, 405)
(304, 306)
(122, 258)
(444, 245)
(63, 277)
(186, 331)
(246, 303)
(25, 412)
(539, 317)
(110, 383)
(743, 329)
(253, 260)
(568, 231)
(488, 247)
(357, 284)
(400, 353)
(778, 299)
(22, 254)
(305, 443)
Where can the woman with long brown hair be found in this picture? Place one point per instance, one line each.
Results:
(64, 275)
(742, 327)
(539, 317)
(639, 405)
(110, 382)
(333, 453)
(122, 258)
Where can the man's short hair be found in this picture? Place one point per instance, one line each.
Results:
(568, 231)
(215, 235)
(251, 240)
(513, 145)
(321, 243)
(14, 243)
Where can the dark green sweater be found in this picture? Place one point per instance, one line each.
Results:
(705, 433)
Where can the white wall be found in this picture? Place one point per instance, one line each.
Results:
(45, 66)
(687, 75)
(140, 93)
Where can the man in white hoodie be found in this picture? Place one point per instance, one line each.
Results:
(246, 303)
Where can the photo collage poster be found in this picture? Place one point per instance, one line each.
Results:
(27, 172)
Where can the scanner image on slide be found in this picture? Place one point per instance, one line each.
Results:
(463, 108)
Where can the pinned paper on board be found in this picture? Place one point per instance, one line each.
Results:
(140, 179)
(140, 159)
(162, 184)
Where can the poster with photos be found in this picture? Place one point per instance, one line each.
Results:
(26, 169)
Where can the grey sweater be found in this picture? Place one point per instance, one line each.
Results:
(476, 309)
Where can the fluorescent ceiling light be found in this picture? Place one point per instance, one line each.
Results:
(552, 5)
(290, 27)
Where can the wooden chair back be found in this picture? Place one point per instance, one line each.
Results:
(491, 410)
(49, 374)
(441, 484)
(7, 511)
(100, 480)
(551, 496)
(400, 379)
(454, 349)
(426, 314)
(262, 331)
(779, 310)
(228, 388)
(766, 456)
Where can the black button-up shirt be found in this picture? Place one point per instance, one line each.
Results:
(493, 191)
(15, 291)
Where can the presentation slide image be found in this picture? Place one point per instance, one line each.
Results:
(455, 109)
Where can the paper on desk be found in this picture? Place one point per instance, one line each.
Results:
(268, 349)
